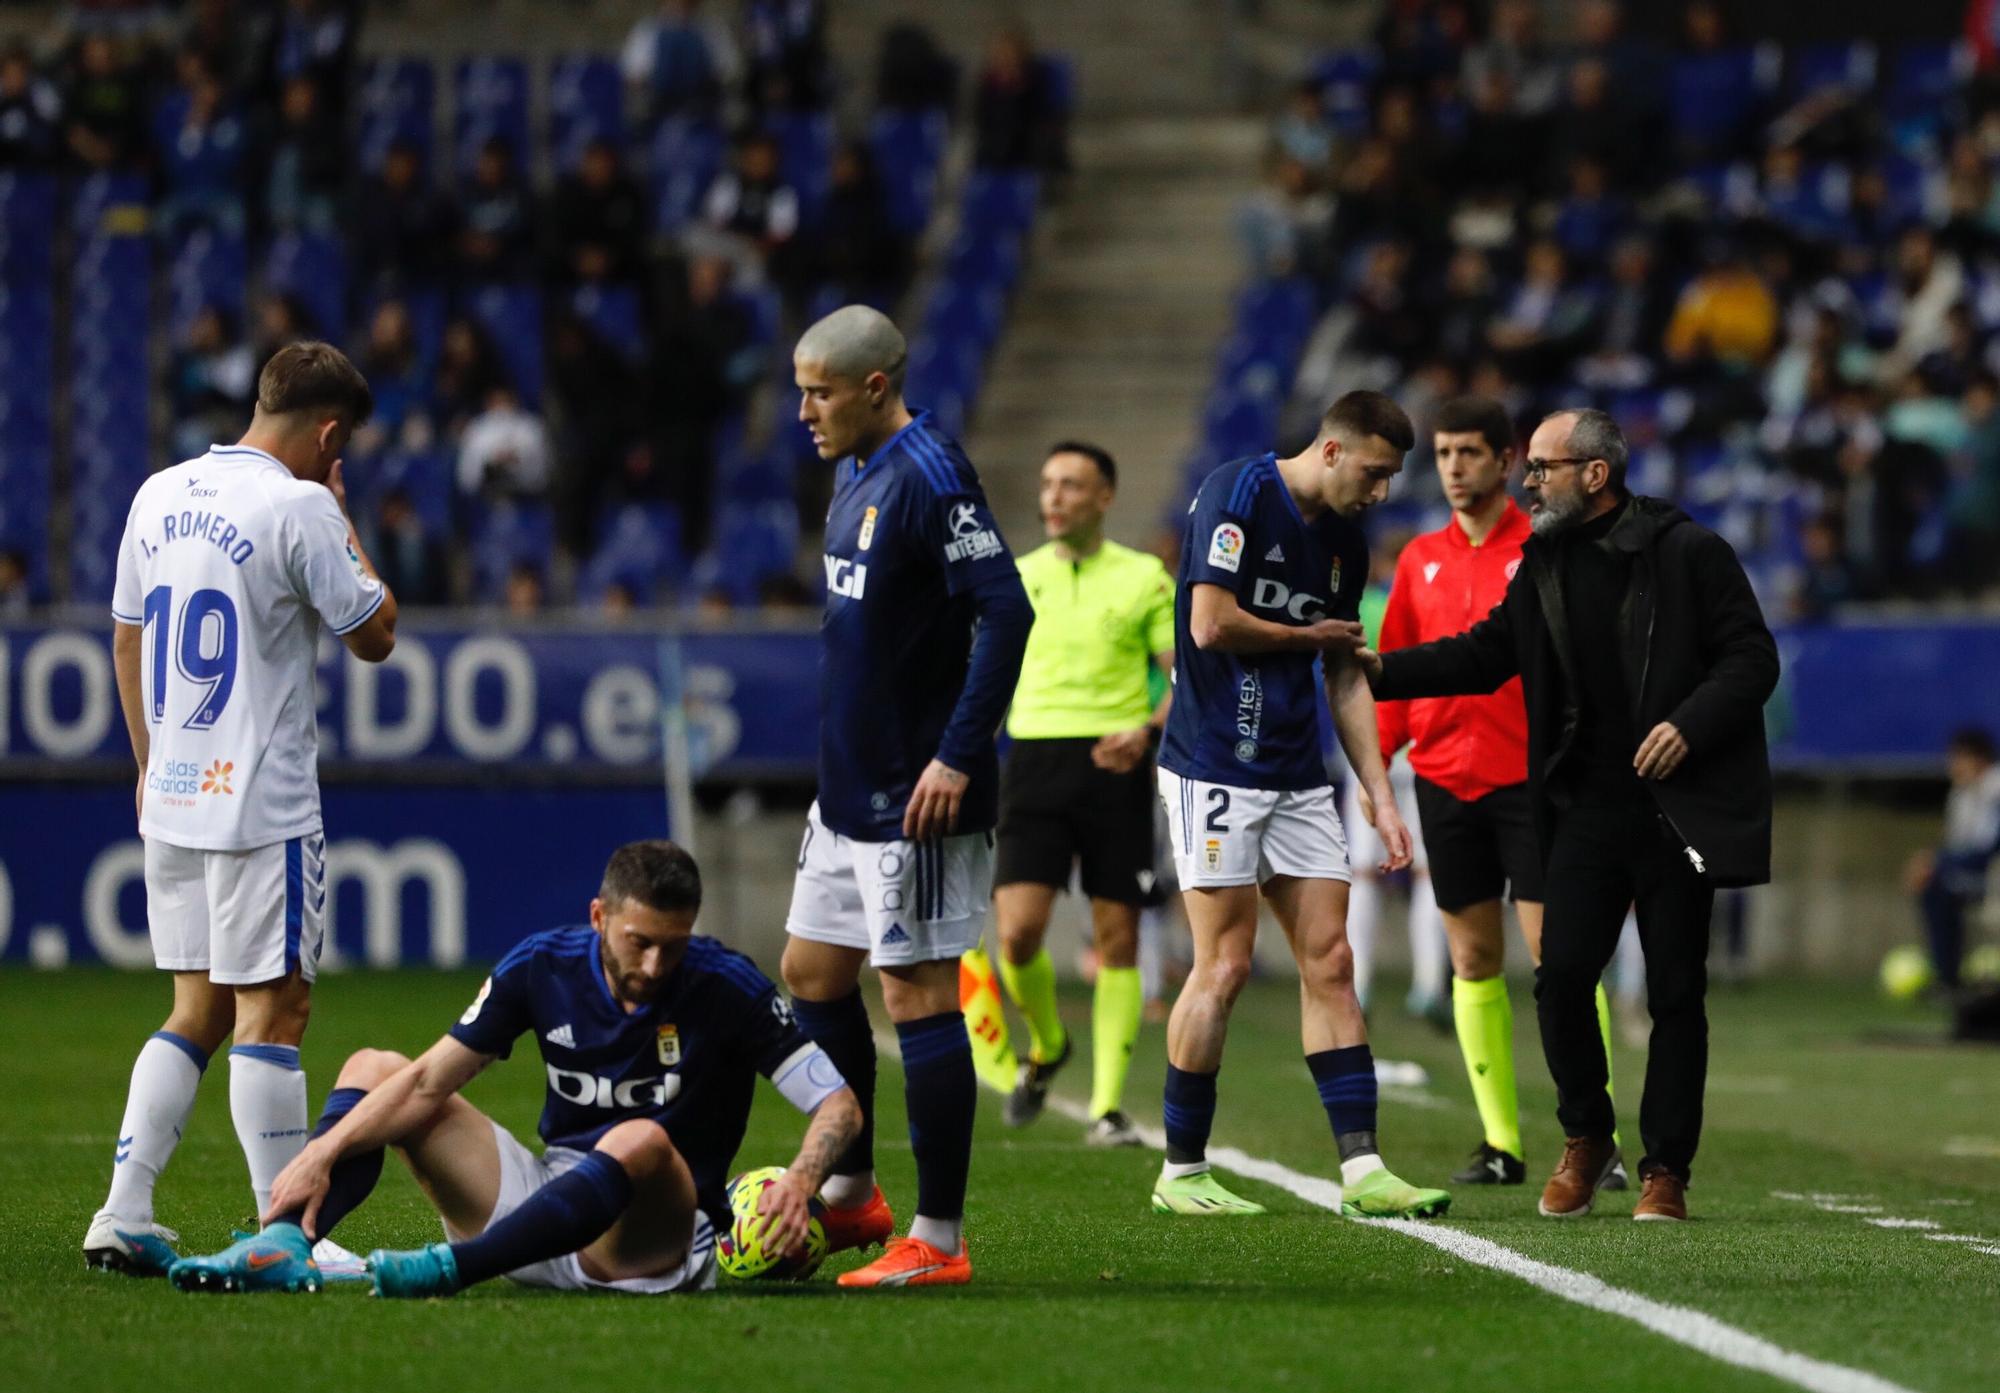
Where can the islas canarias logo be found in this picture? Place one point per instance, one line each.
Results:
(216, 778)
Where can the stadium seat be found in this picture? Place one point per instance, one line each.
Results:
(1815, 68)
(490, 97)
(396, 103)
(751, 545)
(206, 267)
(1924, 78)
(908, 148)
(639, 547)
(941, 366)
(313, 270)
(109, 205)
(966, 314)
(805, 157)
(1713, 97)
(1346, 81)
(586, 103)
(505, 535)
(999, 200)
(512, 318)
(684, 158)
(983, 258)
(615, 313)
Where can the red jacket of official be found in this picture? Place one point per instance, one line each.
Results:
(1467, 745)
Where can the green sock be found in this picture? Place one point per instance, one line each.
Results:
(1604, 1029)
(1485, 1020)
(1032, 987)
(1114, 1029)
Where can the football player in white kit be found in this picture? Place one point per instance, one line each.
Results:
(229, 566)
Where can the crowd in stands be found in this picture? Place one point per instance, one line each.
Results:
(1780, 268)
(570, 288)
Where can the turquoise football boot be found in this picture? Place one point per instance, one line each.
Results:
(278, 1259)
(426, 1271)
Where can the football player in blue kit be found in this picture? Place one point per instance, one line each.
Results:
(926, 622)
(1273, 563)
(651, 1038)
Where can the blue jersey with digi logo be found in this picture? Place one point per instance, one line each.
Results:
(689, 1058)
(1251, 720)
(908, 536)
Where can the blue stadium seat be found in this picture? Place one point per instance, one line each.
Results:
(425, 475)
(27, 228)
(109, 205)
(751, 545)
(1346, 81)
(396, 103)
(639, 547)
(1925, 77)
(908, 148)
(1277, 313)
(966, 314)
(982, 259)
(1712, 97)
(490, 97)
(999, 200)
(683, 161)
(1814, 68)
(512, 318)
(206, 267)
(428, 309)
(615, 313)
(312, 269)
(943, 367)
(751, 479)
(505, 535)
(586, 103)
(805, 156)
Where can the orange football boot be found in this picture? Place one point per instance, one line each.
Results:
(911, 1262)
(863, 1226)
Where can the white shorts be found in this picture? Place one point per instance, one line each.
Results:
(522, 1173)
(1365, 847)
(905, 902)
(1224, 835)
(240, 916)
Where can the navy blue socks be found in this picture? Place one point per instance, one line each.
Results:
(353, 1177)
(1190, 1116)
(570, 1212)
(841, 1029)
(941, 1093)
(1346, 1080)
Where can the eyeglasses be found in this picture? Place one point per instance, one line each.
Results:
(1537, 470)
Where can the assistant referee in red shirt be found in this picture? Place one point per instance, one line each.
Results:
(1470, 758)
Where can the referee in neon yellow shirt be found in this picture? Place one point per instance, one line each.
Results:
(1078, 785)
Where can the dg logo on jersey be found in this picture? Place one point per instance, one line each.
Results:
(670, 1045)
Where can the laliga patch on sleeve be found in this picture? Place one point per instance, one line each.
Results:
(1225, 548)
(472, 1011)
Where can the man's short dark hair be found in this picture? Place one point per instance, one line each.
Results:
(1594, 435)
(1370, 413)
(314, 376)
(1974, 741)
(1482, 414)
(1096, 454)
(657, 874)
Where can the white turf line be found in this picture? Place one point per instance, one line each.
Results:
(1698, 1331)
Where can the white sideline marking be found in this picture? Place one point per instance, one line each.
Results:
(1977, 1148)
(1904, 1223)
(1696, 1330)
(1976, 1242)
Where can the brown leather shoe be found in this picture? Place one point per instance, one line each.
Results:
(1663, 1198)
(1586, 1161)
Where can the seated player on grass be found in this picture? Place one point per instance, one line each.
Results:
(650, 1037)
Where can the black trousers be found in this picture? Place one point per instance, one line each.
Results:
(1601, 860)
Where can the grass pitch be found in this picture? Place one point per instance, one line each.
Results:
(1825, 1115)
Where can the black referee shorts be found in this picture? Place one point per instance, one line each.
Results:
(1057, 808)
(1481, 848)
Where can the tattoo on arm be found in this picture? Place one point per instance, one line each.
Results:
(834, 1125)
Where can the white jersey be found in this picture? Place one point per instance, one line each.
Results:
(230, 564)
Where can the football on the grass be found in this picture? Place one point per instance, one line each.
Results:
(741, 1254)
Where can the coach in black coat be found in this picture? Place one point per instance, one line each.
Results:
(1645, 664)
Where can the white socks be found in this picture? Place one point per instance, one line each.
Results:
(1355, 1168)
(848, 1191)
(164, 1079)
(267, 1101)
(945, 1235)
(1430, 958)
(1177, 1170)
(1364, 918)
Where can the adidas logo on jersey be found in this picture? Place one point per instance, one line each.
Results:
(896, 936)
(1276, 553)
(562, 1035)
